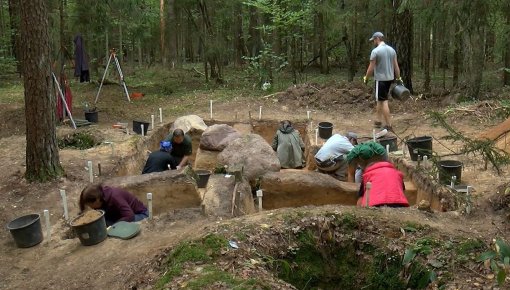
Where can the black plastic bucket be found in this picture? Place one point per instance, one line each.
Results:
(400, 92)
(449, 168)
(91, 233)
(137, 127)
(422, 145)
(26, 230)
(203, 177)
(91, 116)
(389, 140)
(325, 130)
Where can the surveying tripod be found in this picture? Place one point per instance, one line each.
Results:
(113, 55)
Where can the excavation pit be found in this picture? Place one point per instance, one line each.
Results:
(285, 188)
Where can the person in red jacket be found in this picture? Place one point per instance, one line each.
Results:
(387, 183)
(118, 204)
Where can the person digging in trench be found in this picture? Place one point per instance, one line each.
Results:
(160, 160)
(118, 204)
(331, 157)
(288, 146)
(181, 148)
(387, 183)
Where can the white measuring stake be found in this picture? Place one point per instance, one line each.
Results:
(160, 115)
(452, 183)
(425, 161)
(210, 102)
(311, 125)
(91, 171)
(373, 134)
(47, 222)
(149, 204)
(143, 130)
(64, 203)
(260, 113)
(259, 198)
(468, 199)
(367, 194)
(388, 148)
(308, 115)
(152, 122)
(316, 136)
(127, 130)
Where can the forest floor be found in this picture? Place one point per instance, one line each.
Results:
(61, 262)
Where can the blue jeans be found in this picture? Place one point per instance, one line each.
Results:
(141, 216)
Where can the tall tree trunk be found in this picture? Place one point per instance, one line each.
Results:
(140, 55)
(107, 45)
(238, 35)
(120, 54)
(402, 32)
(3, 30)
(42, 158)
(457, 52)
(162, 31)
(506, 51)
(426, 64)
(254, 42)
(14, 16)
(172, 35)
(322, 43)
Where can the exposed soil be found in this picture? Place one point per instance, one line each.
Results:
(62, 262)
(86, 218)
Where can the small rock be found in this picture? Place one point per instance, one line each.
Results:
(424, 205)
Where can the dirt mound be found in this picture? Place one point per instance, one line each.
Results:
(327, 97)
(87, 217)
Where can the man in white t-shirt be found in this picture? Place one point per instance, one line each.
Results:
(384, 67)
(331, 157)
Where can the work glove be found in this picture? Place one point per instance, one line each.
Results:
(399, 81)
(365, 80)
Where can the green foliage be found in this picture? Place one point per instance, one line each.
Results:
(79, 140)
(469, 246)
(499, 260)
(485, 148)
(189, 252)
(7, 65)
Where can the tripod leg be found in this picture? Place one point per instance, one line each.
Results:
(102, 80)
(63, 100)
(122, 78)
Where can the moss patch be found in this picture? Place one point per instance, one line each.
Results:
(80, 140)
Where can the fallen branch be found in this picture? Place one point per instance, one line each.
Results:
(198, 71)
(271, 95)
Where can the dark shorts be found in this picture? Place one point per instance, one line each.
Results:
(382, 88)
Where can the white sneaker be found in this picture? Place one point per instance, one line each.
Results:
(381, 133)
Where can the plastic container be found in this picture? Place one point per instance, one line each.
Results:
(400, 92)
(422, 145)
(449, 168)
(91, 233)
(389, 140)
(137, 127)
(203, 178)
(92, 116)
(325, 130)
(26, 230)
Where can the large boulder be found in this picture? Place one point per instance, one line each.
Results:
(217, 199)
(206, 159)
(253, 153)
(217, 137)
(189, 123)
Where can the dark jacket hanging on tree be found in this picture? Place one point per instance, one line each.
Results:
(81, 62)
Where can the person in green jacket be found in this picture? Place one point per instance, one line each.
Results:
(288, 146)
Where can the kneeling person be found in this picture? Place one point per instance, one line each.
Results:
(181, 148)
(118, 204)
(387, 182)
(331, 158)
(160, 160)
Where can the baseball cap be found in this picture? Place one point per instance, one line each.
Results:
(376, 35)
(165, 145)
(351, 135)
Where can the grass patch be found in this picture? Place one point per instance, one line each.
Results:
(211, 276)
(80, 140)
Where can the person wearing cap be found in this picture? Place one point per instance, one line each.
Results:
(181, 148)
(288, 145)
(384, 67)
(331, 157)
(387, 183)
(160, 160)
